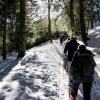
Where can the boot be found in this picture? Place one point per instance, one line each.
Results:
(73, 98)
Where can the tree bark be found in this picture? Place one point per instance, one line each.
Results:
(49, 20)
(21, 33)
(92, 13)
(72, 16)
(4, 14)
(82, 22)
(4, 39)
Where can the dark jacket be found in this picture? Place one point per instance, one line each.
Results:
(82, 67)
(71, 47)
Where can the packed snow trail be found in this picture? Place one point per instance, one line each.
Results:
(64, 88)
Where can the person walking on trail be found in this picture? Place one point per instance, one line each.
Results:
(69, 50)
(81, 71)
(62, 38)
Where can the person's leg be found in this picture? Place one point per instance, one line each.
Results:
(69, 65)
(72, 98)
(73, 92)
(87, 90)
(65, 63)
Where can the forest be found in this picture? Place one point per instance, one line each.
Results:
(28, 23)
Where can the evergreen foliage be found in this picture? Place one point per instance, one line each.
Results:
(23, 24)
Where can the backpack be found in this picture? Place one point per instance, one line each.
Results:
(87, 64)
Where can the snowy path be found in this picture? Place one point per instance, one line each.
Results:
(64, 89)
(95, 92)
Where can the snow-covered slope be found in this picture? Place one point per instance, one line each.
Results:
(38, 76)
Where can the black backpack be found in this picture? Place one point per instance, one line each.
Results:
(87, 64)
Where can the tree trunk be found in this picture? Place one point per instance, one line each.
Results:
(72, 17)
(16, 36)
(82, 22)
(4, 39)
(92, 23)
(92, 13)
(17, 32)
(21, 36)
(4, 13)
(49, 20)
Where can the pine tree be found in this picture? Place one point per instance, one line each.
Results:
(82, 22)
(49, 20)
(4, 17)
(21, 33)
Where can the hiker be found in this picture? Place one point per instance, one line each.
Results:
(62, 38)
(81, 71)
(69, 50)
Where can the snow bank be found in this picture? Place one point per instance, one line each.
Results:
(38, 76)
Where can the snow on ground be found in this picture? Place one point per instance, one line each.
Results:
(40, 75)
(11, 56)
